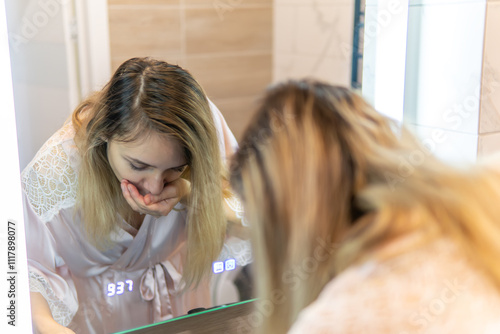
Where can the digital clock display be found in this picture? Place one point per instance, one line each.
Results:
(120, 288)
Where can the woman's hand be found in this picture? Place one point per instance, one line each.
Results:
(50, 326)
(156, 205)
(43, 322)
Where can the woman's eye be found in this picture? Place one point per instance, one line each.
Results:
(134, 167)
(179, 169)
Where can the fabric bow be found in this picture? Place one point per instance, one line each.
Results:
(158, 284)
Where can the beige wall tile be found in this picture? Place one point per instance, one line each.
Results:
(238, 112)
(144, 32)
(312, 3)
(488, 143)
(244, 29)
(231, 76)
(225, 44)
(227, 5)
(153, 31)
(489, 116)
(143, 2)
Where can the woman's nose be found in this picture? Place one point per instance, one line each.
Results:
(155, 184)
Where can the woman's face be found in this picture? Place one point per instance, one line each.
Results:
(148, 163)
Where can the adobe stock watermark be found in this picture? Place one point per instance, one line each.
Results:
(423, 318)
(292, 277)
(224, 6)
(32, 24)
(373, 28)
(453, 118)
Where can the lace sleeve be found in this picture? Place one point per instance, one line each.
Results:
(238, 249)
(237, 245)
(50, 181)
(60, 311)
(49, 185)
(236, 206)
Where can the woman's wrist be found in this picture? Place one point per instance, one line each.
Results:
(43, 322)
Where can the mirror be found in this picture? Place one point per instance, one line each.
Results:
(53, 70)
(234, 48)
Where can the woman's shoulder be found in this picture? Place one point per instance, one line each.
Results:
(432, 289)
(50, 179)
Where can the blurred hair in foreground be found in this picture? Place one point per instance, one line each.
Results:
(324, 178)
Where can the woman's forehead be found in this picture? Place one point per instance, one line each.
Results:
(157, 148)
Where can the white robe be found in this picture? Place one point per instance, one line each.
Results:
(137, 281)
(433, 289)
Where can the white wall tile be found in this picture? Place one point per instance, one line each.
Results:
(285, 28)
(333, 70)
(450, 146)
(313, 38)
(444, 60)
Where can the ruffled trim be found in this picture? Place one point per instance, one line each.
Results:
(237, 207)
(238, 249)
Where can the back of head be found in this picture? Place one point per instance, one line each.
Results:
(296, 171)
(311, 149)
(324, 179)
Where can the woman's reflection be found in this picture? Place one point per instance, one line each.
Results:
(125, 206)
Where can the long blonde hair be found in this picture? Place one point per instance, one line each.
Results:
(147, 96)
(325, 179)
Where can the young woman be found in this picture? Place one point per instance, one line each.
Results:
(351, 216)
(124, 205)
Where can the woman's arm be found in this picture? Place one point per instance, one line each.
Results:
(43, 322)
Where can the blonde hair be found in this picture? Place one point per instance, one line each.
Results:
(325, 179)
(147, 96)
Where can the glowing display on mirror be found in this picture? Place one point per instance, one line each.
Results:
(119, 288)
(220, 266)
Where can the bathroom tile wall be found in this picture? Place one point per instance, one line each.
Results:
(442, 88)
(313, 38)
(225, 44)
(235, 48)
(456, 69)
(489, 117)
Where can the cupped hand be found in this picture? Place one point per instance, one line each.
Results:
(156, 205)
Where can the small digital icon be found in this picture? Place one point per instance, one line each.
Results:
(218, 267)
(230, 264)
